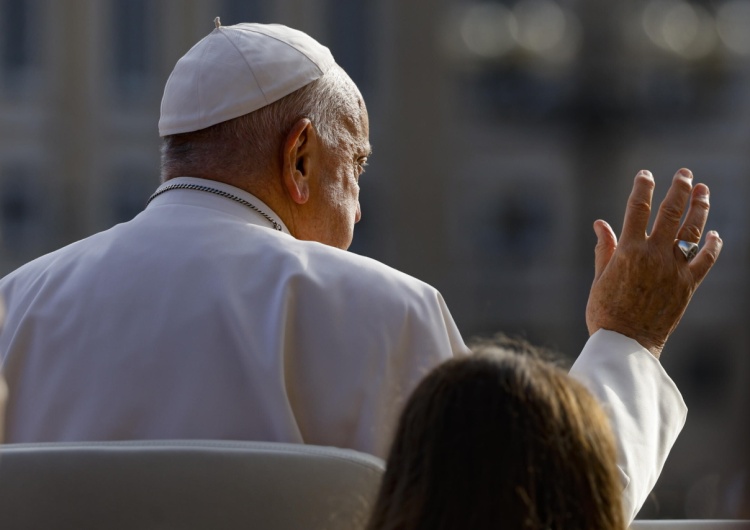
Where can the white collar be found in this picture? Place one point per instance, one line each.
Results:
(218, 194)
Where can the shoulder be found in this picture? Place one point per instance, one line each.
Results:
(358, 293)
(342, 279)
(352, 270)
(57, 263)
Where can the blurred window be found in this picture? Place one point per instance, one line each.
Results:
(236, 11)
(132, 41)
(16, 47)
(349, 36)
(21, 221)
(517, 228)
(14, 23)
(132, 185)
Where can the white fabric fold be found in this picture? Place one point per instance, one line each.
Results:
(645, 408)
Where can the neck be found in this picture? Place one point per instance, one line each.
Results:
(268, 189)
(263, 187)
(221, 189)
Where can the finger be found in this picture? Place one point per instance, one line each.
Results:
(695, 220)
(639, 208)
(606, 244)
(670, 211)
(705, 259)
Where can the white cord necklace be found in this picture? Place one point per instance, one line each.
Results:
(221, 193)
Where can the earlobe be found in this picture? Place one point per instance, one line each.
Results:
(298, 147)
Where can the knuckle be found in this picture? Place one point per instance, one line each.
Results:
(712, 255)
(700, 202)
(671, 213)
(710, 259)
(640, 205)
(691, 233)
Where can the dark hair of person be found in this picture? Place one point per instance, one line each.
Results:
(500, 439)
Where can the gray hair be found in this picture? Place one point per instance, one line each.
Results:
(248, 144)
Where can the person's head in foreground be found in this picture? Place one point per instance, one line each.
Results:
(265, 108)
(500, 439)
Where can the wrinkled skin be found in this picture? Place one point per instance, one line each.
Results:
(643, 283)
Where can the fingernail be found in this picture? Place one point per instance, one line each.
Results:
(646, 173)
(686, 173)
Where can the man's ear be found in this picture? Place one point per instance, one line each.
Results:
(299, 150)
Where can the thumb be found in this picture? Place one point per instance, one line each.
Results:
(605, 246)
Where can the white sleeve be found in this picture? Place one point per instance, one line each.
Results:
(646, 409)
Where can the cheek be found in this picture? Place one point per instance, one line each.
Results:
(354, 186)
(348, 189)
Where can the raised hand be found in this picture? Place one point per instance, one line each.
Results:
(643, 284)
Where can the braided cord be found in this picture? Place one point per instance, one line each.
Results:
(220, 193)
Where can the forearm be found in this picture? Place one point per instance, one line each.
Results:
(644, 405)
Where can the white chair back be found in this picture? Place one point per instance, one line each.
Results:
(689, 524)
(185, 484)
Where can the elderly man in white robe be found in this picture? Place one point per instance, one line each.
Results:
(229, 308)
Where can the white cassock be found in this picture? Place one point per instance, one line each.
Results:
(3, 397)
(198, 320)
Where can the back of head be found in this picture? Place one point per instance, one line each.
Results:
(500, 440)
(232, 98)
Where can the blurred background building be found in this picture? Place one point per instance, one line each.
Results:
(501, 129)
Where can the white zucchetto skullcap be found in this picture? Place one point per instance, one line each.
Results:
(236, 70)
